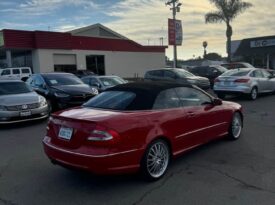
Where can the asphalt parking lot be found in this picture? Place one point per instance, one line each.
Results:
(222, 172)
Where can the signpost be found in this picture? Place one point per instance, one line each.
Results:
(174, 28)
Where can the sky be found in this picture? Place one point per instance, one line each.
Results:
(144, 21)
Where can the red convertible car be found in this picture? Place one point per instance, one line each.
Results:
(139, 126)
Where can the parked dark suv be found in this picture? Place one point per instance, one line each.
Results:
(177, 75)
(61, 90)
(210, 72)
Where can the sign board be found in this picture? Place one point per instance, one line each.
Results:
(262, 43)
(175, 32)
(1, 39)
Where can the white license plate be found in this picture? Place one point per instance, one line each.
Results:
(25, 113)
(65, 133)
(226, 83)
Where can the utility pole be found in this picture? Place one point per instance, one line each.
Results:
(175, 8)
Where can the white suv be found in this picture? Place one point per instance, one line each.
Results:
(22, 73)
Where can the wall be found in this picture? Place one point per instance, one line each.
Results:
(124, 64)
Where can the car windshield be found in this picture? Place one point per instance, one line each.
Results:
(65, 79)
(111, 100)
(11, 88)
(184, 74)
(111, 81)
(236, 72)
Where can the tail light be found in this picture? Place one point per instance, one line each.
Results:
(101, 134)
(242, 80)
(217, 80)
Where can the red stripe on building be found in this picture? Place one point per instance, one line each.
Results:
(14, 39)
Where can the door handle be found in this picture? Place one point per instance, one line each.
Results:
(191, 114)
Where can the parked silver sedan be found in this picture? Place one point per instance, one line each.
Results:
(19, 103)
(249, 81)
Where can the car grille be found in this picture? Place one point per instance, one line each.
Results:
(23, 107)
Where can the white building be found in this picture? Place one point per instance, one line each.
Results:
(95, 48)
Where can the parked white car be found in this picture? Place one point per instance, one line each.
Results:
(21, 73)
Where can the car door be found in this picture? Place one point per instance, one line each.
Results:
(206, 121)
(16, 74)
(268, 81)
(169, 118)
(6, 74)
(259, 78)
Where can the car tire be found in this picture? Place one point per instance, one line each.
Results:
(236, 126)
(253, 94)
(155, 160)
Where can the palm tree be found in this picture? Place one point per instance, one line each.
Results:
(227, 11)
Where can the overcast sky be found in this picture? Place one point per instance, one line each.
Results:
(140, 20)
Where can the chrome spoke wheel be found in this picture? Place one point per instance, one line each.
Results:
(236, 126)
(157, 159)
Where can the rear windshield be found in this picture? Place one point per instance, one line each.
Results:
(55, 80)
(221, 68)
(236, 73)
(111, 100)
(11, 88)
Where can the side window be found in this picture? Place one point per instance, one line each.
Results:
(169, 74)
(30, 81)
(157, 73)
(258, 74)
(266, 74)
(6, 72)
(167, 99)
(15, 71)
(192, 97)
(38, 82)
(25, 71)
(93, 81)
(86, 81)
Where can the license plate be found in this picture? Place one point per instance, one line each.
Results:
(227, 83)
(65, 133)
(25, 113)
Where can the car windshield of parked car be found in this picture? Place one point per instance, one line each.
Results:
(183, 73)
(11, 88)
(236, 72)
(56, 80)
(111, 81)
(111, 100)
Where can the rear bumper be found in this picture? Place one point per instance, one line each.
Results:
(111, 163)
(232, 90)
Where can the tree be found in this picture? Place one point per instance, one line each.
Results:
(227, 11)
(213, 57)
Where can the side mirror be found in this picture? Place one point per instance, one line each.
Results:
(217, 102)
(44, 86)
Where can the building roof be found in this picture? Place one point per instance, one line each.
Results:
(97, 30)
(245, 48)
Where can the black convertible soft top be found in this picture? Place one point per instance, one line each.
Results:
(146, 92)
